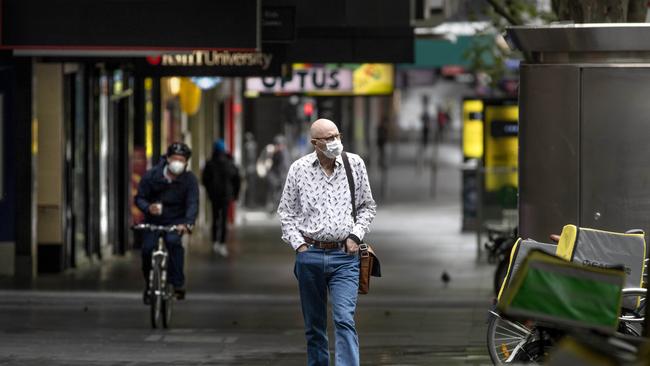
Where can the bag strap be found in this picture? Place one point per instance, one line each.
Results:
(348, 172)
(363, 247)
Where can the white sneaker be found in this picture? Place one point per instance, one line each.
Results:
(223, 250)
(220, 248)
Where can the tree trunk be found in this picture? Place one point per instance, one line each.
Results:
(601, 11)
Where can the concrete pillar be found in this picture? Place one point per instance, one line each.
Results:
(23, 126)
(49, 176)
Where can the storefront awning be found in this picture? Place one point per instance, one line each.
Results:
(431, 53)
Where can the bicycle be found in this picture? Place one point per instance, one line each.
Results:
(161, 293)
(498, 247)
(512, 341)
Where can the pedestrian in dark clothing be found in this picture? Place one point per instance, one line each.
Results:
(250, 169)
(278, 172)
(425, 119)
(222, 182)
(168, 194)
(382, 139)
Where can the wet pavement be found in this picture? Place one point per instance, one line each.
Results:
(244, 309)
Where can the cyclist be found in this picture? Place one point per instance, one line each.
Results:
(168, 194)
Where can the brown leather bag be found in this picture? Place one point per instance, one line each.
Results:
(368, 261)
(368, 266)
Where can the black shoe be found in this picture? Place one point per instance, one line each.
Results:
(146, 299)
(180, 293)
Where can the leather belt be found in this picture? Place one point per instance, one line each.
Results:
(324, 244)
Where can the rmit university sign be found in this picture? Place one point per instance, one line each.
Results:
(212, 63)
(214, 58)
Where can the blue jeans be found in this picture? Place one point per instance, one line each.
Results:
(319, 271)
(176, 255)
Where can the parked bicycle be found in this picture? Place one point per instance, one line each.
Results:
(498, 248)
(511, 340)
(161, 293)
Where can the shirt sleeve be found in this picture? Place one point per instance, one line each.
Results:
(192, 201)
(142, 199)
(366, 206)
(289, 210)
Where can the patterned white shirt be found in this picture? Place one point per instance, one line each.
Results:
(319, 207)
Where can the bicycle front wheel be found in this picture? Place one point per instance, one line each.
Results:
(167, 305)
(156, 297)
(505, 339)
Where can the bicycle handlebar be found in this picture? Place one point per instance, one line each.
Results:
(151, 227)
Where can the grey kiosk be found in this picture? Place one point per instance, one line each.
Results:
(584, 135)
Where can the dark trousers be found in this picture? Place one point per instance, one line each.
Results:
(176, 254)
(219, 221)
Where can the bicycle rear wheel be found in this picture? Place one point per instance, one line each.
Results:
(156, 296)
(632, 320)
(505, 339)
(167, 306)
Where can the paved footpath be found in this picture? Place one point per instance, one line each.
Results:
(244, 310)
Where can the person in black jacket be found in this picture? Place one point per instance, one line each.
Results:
(168, 194)
(222, 182)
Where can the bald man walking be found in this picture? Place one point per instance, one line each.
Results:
(316, 215)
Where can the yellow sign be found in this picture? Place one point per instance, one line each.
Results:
(369, 79)
(34, 136)
(473, 129)
(501, 146)
(190, 97)
(148, 133)
(148, 110)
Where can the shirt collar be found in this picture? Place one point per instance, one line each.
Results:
(166, 174)
(314, 160)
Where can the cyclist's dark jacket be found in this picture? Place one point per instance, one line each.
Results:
(180, 198)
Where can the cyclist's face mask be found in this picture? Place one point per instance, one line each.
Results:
(176, 167)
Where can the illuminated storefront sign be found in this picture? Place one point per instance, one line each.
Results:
(373, 79)
(363, 79)
(312, 80)
(501, 146)
(213, 58)
(473, 129)
(214, 63)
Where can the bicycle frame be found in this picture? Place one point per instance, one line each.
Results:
(161, 293)
(161, 256)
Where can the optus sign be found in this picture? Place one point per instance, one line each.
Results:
(311, 80)
(362, 79)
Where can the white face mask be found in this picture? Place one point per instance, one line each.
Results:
(333, 149)
(176, 167)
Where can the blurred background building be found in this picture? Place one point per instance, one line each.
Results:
(92, 95)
